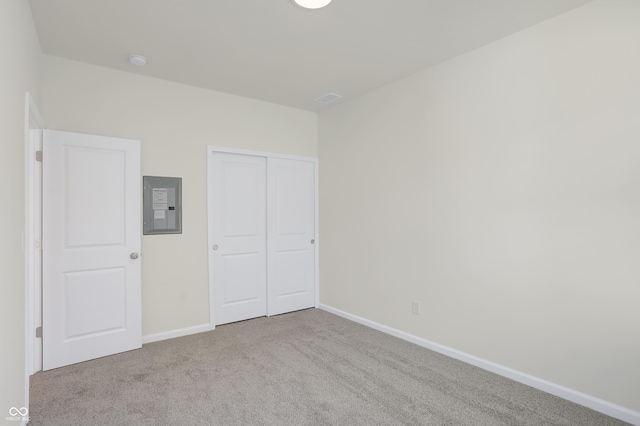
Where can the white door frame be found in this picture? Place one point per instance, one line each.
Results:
(32, 227)
(210, 150)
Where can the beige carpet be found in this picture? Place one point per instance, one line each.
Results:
(304, 368)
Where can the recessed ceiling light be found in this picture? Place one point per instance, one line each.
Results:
(137, 60)
(312, 4)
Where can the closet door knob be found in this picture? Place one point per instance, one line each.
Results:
(215, 247)
(313, 241)
(133, 256)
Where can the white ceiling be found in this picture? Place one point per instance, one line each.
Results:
(274, 51)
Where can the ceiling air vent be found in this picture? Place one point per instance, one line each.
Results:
(328, 98)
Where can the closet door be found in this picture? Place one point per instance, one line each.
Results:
(239, 237)
(291, 234)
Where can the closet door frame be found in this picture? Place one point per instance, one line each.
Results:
(210, 150)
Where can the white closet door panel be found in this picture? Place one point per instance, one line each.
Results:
(239, 237)
(291, 229)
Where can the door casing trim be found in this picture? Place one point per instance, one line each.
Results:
(32, 189)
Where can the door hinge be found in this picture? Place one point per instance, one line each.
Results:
(39, 332)
(39, 156)
(38, 244)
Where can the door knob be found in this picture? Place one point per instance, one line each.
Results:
(313, 241)
(133, 255)
(215, 247)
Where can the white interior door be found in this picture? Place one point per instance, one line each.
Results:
(291, 233)
(91, 225)
(239, 236)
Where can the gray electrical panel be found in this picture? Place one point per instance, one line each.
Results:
(162, 205)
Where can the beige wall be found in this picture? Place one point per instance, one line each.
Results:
(19, 73)
(175, 124)
(501, 190)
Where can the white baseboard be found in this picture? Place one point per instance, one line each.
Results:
(580, 398)
(149, 338)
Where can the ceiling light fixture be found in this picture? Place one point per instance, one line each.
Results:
(312, 4)
(137, 60)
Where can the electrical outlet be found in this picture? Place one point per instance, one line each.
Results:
(415, 307)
